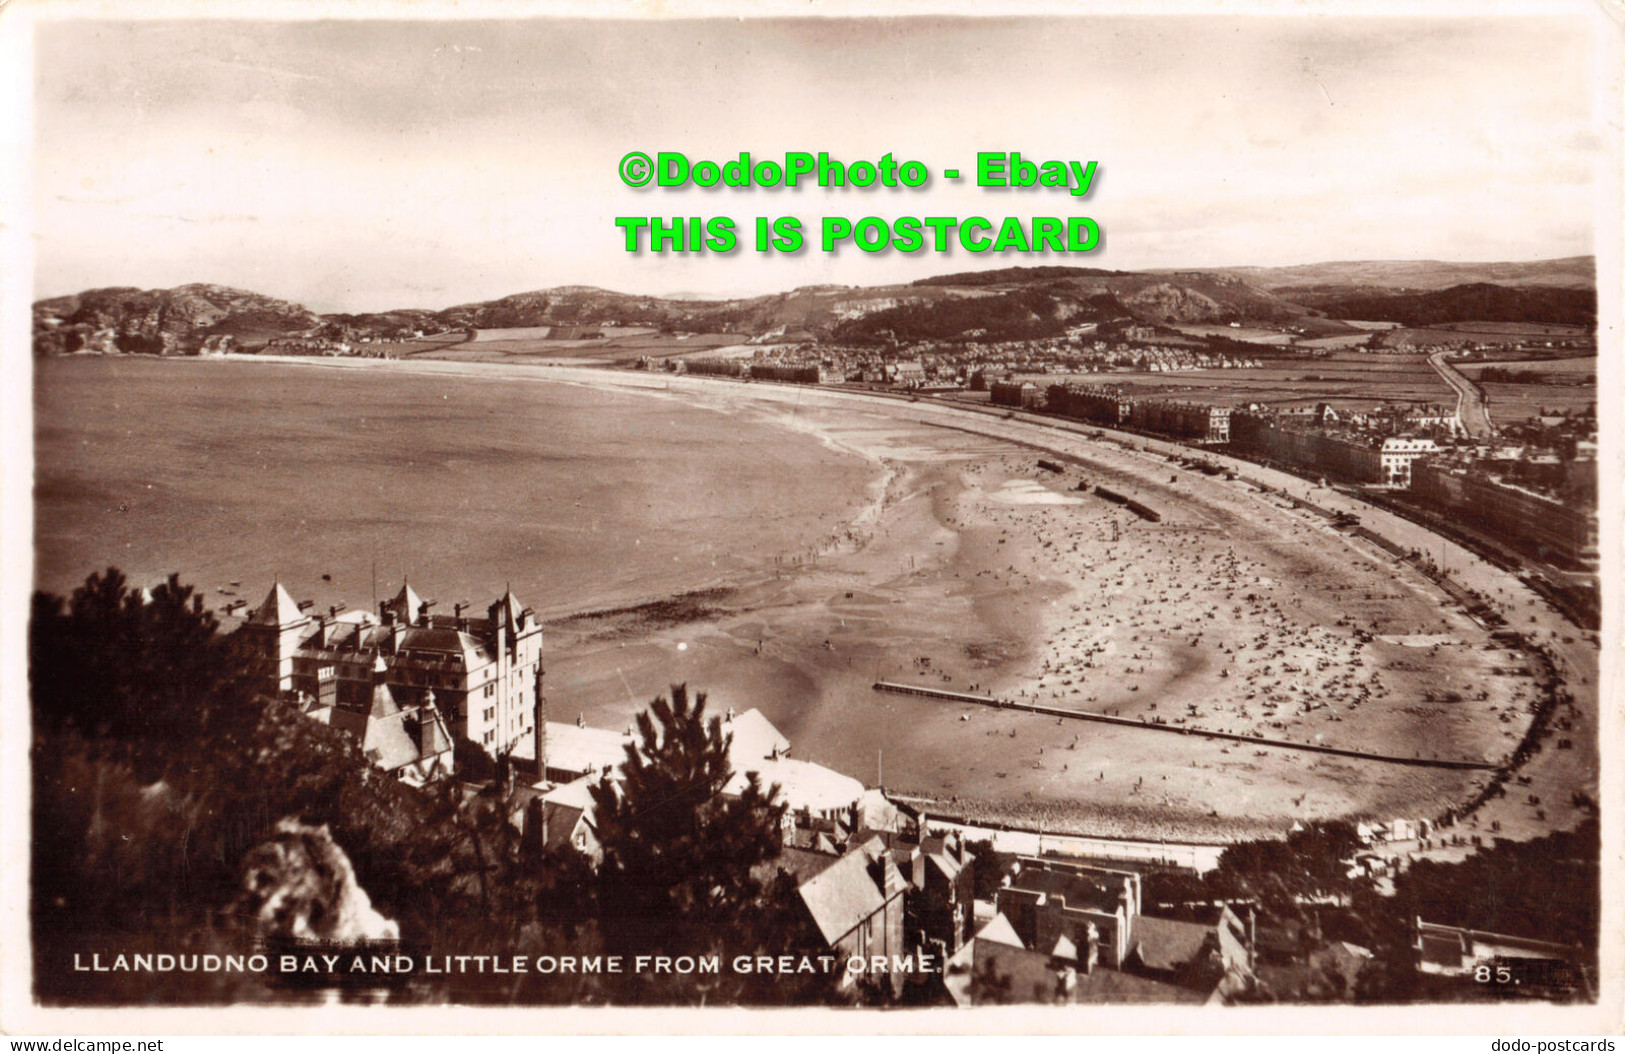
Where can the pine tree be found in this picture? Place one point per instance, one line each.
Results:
(687, 870)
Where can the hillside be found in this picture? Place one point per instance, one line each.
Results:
(1478, 302)
(1018, 314)
(1573, 272)
(1004, 304)
(163, 321)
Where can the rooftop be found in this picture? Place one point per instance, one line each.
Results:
(576, 749)
(802, 784)
(1168, 944)
(1080, 892)
(277, 609)
(845, 893)
(753, 737)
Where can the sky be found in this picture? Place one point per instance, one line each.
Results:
(368, 165)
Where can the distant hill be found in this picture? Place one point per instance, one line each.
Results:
(161, 321)
(1573, 272)
(1016, 276)
(1478, 302)
(1002, 304)
(577, 304)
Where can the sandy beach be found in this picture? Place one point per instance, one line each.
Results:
(983, 572)
(963, 564)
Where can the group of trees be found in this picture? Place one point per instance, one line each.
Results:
(156, 766)
(1023, 314)
(1547, 889)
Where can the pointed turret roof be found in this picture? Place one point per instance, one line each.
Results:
(383, 702)
(407, 603)
(278, 609)
(508, 608)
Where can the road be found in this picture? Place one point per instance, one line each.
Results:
(1470, 408)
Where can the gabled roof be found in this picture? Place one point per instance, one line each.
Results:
(391, 737)
(1168, 944)
(842, 895)
(1093, 889)
(567, 807)
(278, 609)
(754, 738)
(803, 784)
(562, 822)
(938, 853)
(577, 794)
(999, 931)
(390, 743)
(804, 864)
(576, 749)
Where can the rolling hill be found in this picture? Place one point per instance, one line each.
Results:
(162, 321)
(1004, 304)
(1476, 302)
(1572, 272)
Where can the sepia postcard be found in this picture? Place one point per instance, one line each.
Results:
(651, 517)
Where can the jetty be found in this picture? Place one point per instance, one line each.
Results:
(1182, 730)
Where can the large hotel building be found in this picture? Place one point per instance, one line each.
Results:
(479, 678)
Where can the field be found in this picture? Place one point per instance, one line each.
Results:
(1250, 334)
(1517, 329)
(1509, 403)
(481, 336)
(417, 347)
(1342, 340)
(1476, 332)
(1347, 380)
(531, 344)
(1562, 371)
(1552, 385)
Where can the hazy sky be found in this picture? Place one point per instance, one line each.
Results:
(369, 165)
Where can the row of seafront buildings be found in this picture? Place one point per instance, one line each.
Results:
(1531, 522)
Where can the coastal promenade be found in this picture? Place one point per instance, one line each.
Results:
(1559, 781)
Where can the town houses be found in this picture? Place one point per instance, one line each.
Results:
(1068, 932)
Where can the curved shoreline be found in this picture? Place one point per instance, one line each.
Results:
(1034, 435)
